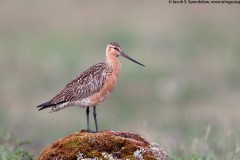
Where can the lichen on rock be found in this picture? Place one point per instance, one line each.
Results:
(105, 145)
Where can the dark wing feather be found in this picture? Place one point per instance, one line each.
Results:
(86, 84)
(47, 105)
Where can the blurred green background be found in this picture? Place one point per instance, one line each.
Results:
(186, 98)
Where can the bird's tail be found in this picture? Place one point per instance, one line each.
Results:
(45, 105)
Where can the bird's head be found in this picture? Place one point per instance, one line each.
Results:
(115, 49)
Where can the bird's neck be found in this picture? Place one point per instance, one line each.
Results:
(114, 63)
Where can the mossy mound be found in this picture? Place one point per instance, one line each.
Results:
(103, 145)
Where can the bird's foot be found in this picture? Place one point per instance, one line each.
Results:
(89, 131)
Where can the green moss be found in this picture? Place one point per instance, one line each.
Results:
(11, 149)
(103, 145)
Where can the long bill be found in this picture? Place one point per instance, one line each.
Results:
(126, 56)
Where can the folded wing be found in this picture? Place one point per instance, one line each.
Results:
(87, 83)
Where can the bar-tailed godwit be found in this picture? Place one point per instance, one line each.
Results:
(92, 86)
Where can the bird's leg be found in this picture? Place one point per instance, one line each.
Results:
(95, 117)
(87, 113)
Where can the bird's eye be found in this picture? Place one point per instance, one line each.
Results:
(116, 48)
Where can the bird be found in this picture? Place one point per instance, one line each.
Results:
(92, 86)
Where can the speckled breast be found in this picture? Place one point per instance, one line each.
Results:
(107, 89)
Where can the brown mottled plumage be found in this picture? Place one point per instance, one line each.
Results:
(92, 86)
